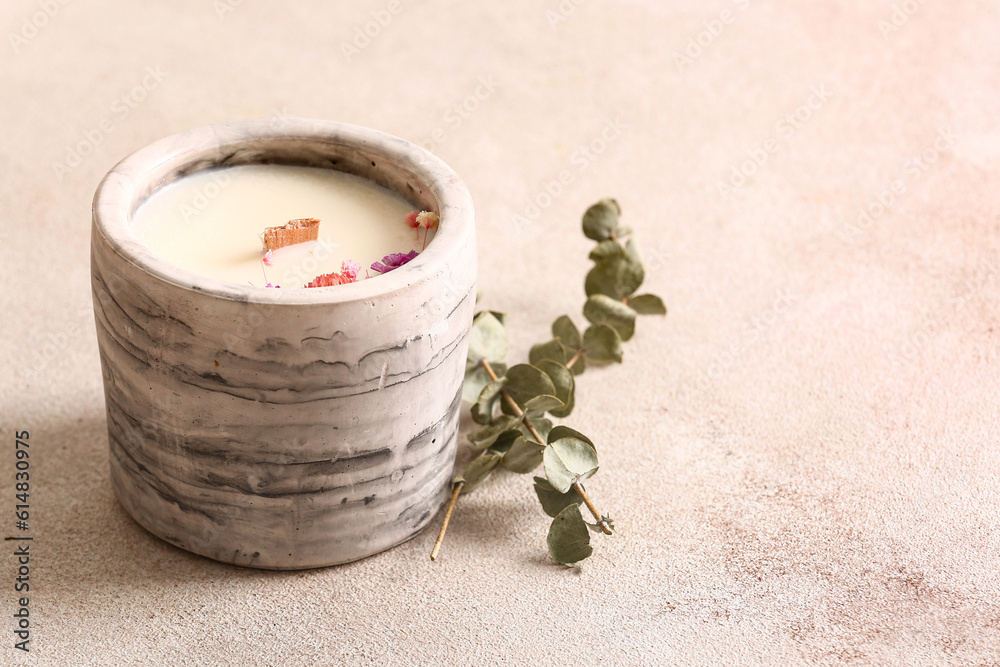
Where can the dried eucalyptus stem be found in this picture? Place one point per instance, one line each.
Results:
(447, 518)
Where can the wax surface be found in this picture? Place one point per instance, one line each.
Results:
(212, 223)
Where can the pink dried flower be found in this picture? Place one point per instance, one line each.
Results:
(350, 269)
(411, 219)
(329, 280)
(268, 258)
(393, 261)
(274, 286)
(348, 274)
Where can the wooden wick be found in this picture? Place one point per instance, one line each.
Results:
(292, 232)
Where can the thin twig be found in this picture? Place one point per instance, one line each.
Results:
(574, 358)
(601, 521)
(447, 517)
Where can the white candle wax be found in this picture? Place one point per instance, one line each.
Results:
(211, 223)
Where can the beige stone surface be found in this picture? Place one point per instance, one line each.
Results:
(801, 458)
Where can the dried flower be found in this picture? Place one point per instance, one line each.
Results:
(268, 258)
(274, 286)
(427, 219)
(350, 268)
(348, 274)
(411, 219)
(393, 261)
(328, 280)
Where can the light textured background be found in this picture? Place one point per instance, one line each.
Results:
(801, 458)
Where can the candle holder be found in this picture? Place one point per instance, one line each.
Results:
(283, 428)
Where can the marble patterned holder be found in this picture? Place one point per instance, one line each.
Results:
(283, 428)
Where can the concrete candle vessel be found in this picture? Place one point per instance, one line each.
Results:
(283, 428)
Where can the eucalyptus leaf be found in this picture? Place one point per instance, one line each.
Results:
(632, 250)
(486, 435)
(487, 340)
(565, 386)
(602, 279)
(488, 398)
(493, 389)
(523, 456)
(504, 441)
(564, 329)
(648, 304)
(475, 381)
(606, 249)
(567, 432)
(482, 418)
(601, 220)
(631, 277)
(524, 382)
(553, 350)
(618, 277)
(601, 309)
(634, 271)
(569, 539)
(602, 344)
(568, 461)
(501, 317)
(553, 502)
(541, 424)
(543, 403)
(479, 470)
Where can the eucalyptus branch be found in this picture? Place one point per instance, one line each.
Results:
(520, 438)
